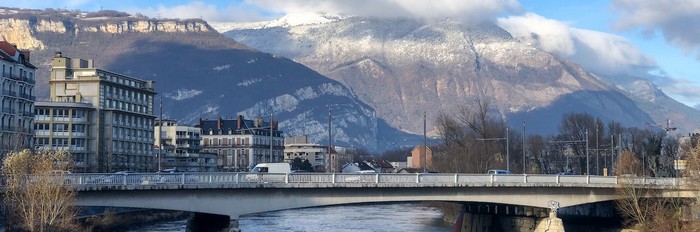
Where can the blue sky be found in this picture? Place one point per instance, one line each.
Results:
(655, 39)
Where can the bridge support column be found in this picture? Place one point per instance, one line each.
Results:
(471, 222)
(550, 224)
(212, 222)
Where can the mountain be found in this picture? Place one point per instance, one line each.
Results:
(198, 72)
(403, 67)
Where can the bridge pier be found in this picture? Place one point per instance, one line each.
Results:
(495, 217)
(212, 222)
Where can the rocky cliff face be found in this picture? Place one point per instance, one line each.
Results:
(198, 72)
(21, 26)
(402, 67)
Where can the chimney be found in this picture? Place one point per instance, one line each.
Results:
(25, 53)
(240, 121)
(218, 123)
(200, 122)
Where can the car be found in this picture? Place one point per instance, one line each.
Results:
(119, 177)
(174, 176)
(498, 172)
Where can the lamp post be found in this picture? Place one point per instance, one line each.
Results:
(524, 169)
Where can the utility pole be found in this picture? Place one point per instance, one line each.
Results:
(425, 145)
(524, 169)
(597, 152)
(160, 134)
(271, 138)
(588, 161)
(327, 158)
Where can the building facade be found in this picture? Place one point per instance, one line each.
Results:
(178, 147)
(299, 147)
(240, 144)
(421, 158)
(16, 130)
(118, 126)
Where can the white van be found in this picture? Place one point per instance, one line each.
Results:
(272, 168)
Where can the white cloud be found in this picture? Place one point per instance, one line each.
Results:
(468, 9)
(597, 51)
(206, 11)
(677, 20)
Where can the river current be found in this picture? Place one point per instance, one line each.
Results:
(375, 217)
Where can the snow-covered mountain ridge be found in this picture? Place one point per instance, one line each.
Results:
(402, 67)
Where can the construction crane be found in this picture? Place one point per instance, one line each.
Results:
(666, 127)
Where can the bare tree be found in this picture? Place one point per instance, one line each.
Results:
(640, 205)
(37, 196)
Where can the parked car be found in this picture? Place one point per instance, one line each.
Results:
(498, 172)
(174, 176)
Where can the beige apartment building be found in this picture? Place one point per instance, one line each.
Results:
(17, 98)
(104, 119)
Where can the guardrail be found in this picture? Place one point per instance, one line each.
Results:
(107, 179)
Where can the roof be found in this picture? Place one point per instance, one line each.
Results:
(381, 163)
(222, 126)
(8, 48)
(9, 51)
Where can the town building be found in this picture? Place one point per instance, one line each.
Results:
(104, 119)
(420, 158)
(241, 143)
(18, 96)
(178, 147)
(299, 147)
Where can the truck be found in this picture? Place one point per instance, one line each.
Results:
(269, 173)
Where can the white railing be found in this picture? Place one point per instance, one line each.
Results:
(340, 179)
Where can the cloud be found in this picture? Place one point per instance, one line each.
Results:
(466, 9)
(676, 20)
(235, 12)
(596, 51)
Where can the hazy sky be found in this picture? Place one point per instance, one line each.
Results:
(656, 39)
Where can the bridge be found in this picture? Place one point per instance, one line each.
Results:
(231, 195)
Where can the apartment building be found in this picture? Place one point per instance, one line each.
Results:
(240, 144)
(104, 119)
(299, 147)
(178, 147)
(17, 98)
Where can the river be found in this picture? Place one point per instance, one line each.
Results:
(375, 217)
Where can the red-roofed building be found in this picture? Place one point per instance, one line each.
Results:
(18, 98)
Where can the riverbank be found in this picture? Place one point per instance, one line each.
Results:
(117, 222)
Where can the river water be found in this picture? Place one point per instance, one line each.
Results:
(375, 217)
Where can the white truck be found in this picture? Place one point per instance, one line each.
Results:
(269, 173)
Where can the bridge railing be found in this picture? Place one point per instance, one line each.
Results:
(115, 179)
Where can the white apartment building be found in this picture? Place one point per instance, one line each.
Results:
(18, 98)
(179, 147)
(240, 144)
